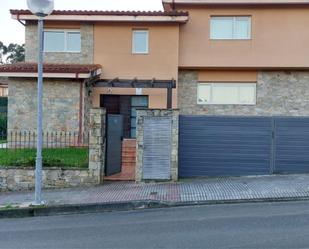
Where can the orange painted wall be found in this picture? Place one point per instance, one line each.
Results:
(227, 76)
(113, 50)
(280, 38)
(61, 25)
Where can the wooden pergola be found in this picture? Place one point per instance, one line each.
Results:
(136, 83)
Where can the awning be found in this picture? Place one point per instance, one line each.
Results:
(69, 71)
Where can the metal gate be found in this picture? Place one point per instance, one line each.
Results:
(235, 146)
(157, 148)
(224, 146)
(291, 145)
(114, 135)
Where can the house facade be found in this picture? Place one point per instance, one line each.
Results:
(208, 58)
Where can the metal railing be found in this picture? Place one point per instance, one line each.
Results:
(60, 149)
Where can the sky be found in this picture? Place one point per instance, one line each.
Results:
(13, 32)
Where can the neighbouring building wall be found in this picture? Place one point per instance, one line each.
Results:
(61, 102)
(283, 93)
(84, 57)
(279, 38)
(113, 50)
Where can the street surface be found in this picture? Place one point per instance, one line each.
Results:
(263, 225)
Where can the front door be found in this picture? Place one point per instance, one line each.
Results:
(126, 105)
(120, 130)
(114, 136)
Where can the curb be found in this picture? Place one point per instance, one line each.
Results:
(78, 209)
(126, 206)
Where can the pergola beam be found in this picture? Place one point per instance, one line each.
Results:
(135, 83)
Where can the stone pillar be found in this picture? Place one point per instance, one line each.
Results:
(97, 142)
(141, 114)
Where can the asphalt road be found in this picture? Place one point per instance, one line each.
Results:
(264, 225)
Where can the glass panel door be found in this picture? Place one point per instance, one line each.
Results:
(137, 102)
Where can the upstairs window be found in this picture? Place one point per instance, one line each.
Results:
(62, 41)
(226, 93)
(230, 27)
(140, 42)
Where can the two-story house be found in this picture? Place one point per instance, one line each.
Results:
(245, 59)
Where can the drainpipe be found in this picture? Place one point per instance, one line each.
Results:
(81, 106)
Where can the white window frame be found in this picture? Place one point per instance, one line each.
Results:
(66, 32)
(234, 18)
(211, 84)
(134, 31)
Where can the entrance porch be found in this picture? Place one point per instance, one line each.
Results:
(120, 155)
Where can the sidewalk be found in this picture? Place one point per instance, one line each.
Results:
(211, 190)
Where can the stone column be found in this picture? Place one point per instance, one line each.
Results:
(97, 143)
(141, 114)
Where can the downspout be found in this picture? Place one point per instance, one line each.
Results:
(81, 105)
(173, 5)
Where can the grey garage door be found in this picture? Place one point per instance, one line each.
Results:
(291, 145)
(224, 146)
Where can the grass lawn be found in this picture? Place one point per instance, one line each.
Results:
(63, 157)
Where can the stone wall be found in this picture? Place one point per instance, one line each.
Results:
(16, 179)
(278, 93)
(61, 103)
(141, 114)
(84, 57)
(97, 142)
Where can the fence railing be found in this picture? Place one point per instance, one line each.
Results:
(60, 149)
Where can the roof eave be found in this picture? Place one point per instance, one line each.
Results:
(105, 18)
(76, 75)
(236, 3)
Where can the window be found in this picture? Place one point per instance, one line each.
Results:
(140, 42)
(230, 27)
(227, 93)
(3, 91)
(62, 41)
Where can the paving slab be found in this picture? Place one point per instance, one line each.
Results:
(228, 189)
